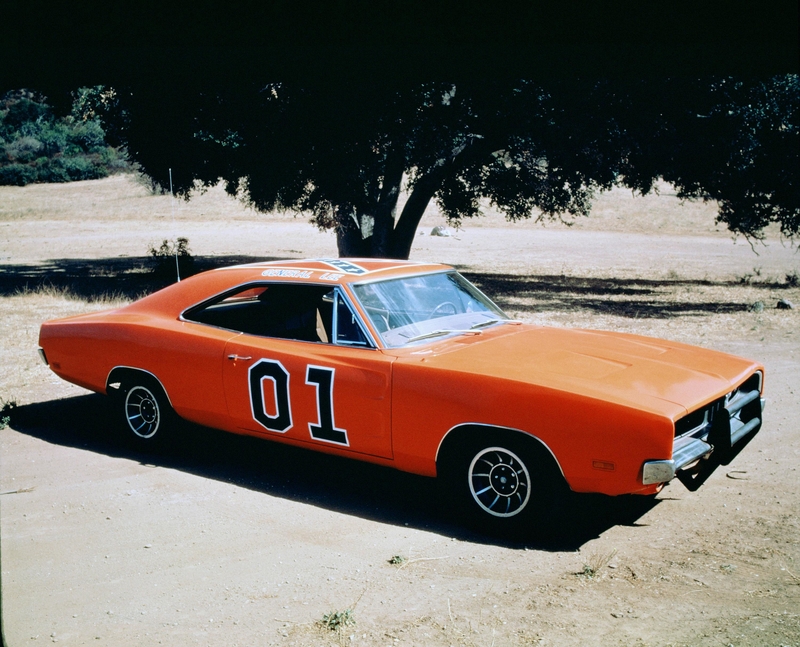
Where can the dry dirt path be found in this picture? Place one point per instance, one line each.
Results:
(233, 541)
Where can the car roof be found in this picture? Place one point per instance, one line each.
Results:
(342, 270)
(333, 271)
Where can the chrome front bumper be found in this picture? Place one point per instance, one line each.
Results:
(694, 458)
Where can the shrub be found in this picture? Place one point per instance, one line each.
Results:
(52, 170)
(163, 258)
(17, 174)
(23, 149)
(37, 146)
(89, 136)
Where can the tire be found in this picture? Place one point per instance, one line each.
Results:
(502, 483)
(144, 412)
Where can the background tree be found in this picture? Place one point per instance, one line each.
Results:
(197, 94)
(730, 140)
(36, 145)
(343, 151)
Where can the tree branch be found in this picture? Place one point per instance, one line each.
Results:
(425, 188)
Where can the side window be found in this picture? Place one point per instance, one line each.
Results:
(235, 311)
(283, 310)
(348, 330)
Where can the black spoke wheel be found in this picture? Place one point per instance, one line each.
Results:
(145, 413)
(142, 412)
(501, 482)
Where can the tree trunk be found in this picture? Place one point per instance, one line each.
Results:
(349, 239)
(390, 240)
(406, 228)
(370, 235)
(424, 190)
(383, 226)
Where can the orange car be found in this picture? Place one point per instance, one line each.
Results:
(408, 365)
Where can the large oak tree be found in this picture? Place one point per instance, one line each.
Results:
(329, 108)
(343, 151)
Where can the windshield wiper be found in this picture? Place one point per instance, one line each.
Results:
(440, 332)
(483, 324)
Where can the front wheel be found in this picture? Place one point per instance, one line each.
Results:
(146, 415)
(503, 483)
(499, 482)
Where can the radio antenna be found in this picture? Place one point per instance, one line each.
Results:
(172, 209)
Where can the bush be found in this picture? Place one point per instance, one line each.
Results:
(88, 136)
(163, 258)
(23, 149)
(37, 146)
(82, 168)
(17, 174)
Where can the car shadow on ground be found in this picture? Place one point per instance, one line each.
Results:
(338, 484)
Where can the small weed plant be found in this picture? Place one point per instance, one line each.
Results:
(165, 256)
(594, 565)
(750, 277)
(6, 410)
(338, 620)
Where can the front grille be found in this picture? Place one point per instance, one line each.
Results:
(742, 405)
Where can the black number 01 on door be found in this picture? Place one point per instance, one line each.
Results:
(320, 377)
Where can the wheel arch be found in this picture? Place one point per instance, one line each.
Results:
(119, 374)
(470, 430)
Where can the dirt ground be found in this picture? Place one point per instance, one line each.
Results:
(234, 541)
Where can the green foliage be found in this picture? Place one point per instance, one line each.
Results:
(164, 258)
(6, 411)
(338, 620)
(38, 146)
(730, 140)
(342, 152)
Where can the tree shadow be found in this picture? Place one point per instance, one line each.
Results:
(95, 279)
(333, 483)
(635, 298)
(133, 277)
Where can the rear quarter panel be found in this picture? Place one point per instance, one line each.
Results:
(185, 357)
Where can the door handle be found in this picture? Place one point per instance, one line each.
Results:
(235, 357)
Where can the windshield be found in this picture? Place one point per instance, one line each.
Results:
(416, 308)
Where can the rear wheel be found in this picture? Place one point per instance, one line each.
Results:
(502, 482)
(144, 411)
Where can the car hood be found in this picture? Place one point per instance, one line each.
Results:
(663, 377)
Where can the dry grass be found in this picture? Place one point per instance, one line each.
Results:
(65, 292)
(21, 314)
(699, 312)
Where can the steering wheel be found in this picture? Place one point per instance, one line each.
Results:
(442, 306)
